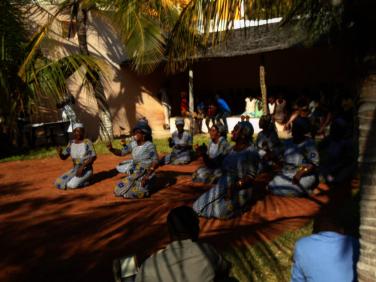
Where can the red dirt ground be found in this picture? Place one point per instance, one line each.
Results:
(53, 235)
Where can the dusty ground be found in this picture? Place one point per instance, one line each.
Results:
(53, 235)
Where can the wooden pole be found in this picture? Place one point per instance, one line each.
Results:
(191, 99)
(263, 91)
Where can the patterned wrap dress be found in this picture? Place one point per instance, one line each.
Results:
(79, 153)
(216, 154)
(236, 165)
(143, 157)
(267, 141)
(294, 156)
(179, 156)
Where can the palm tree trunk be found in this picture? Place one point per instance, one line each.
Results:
(82, 30)
(105, 130)
(367, 160)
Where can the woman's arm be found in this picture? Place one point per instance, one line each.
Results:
(63, 153)
(119, 152)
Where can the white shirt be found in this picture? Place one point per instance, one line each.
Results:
(182, 261)
(78, 150)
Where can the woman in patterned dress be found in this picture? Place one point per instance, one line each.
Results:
(267, 142)
(83, 156)
(141, 174)
(300, 161)
(212, 155)
(233, 191)
(181, 144)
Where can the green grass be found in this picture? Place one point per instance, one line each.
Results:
(265, 261)
(100, 148)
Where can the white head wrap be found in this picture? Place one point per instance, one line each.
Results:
(77, 125)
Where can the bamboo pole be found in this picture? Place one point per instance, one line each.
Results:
(263, 91)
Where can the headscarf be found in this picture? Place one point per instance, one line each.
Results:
(179, 121)
(246, 129)
(77, 125)
(143, 125)
(221, 130)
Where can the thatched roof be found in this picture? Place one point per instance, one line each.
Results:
(254, 40)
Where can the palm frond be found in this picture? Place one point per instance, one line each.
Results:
(318, 18)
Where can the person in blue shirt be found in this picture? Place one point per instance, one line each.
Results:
(224, 111)
(328, 254)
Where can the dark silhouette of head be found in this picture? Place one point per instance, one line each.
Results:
(336, 217)
(183, 223)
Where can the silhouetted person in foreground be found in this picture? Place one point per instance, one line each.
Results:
(184, 259)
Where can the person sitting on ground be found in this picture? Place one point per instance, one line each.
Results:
(184, 110)
(224, 111)
(184, 259)
(141, 173)
(128, 165)
(267, 142)
(83, 156)
(211, 114)
(233, 192)
(198, 117)
(181, 144)
(328, 254)
(300, 161)
(300, 109)
(212, 155)
(280, 109)
(338, 161)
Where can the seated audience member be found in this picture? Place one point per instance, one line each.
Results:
(328, 254)
(212, 155)
(141, 170)
(83, 156)
(198, 117)
(184, 259)
(280, 109)
(338, 161)
(223, 112)
(267, 142)
(211, 114)
(300, 161)
(233, 192)
(181, 144)
(300, 109)
(271, 105)
(253, 107)
(184, 110)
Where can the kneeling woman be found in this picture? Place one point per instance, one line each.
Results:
(181, 144)
(213, 156)
(299, 172)
(83, 155)
(233, 191)
(139, 182)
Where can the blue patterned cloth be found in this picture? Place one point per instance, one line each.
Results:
(236, 166)
(143, 157)
(179, 155)
(296, 155)
(79, 153)
(268, 141)
(211, 172)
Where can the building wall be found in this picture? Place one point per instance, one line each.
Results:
(129, 96)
